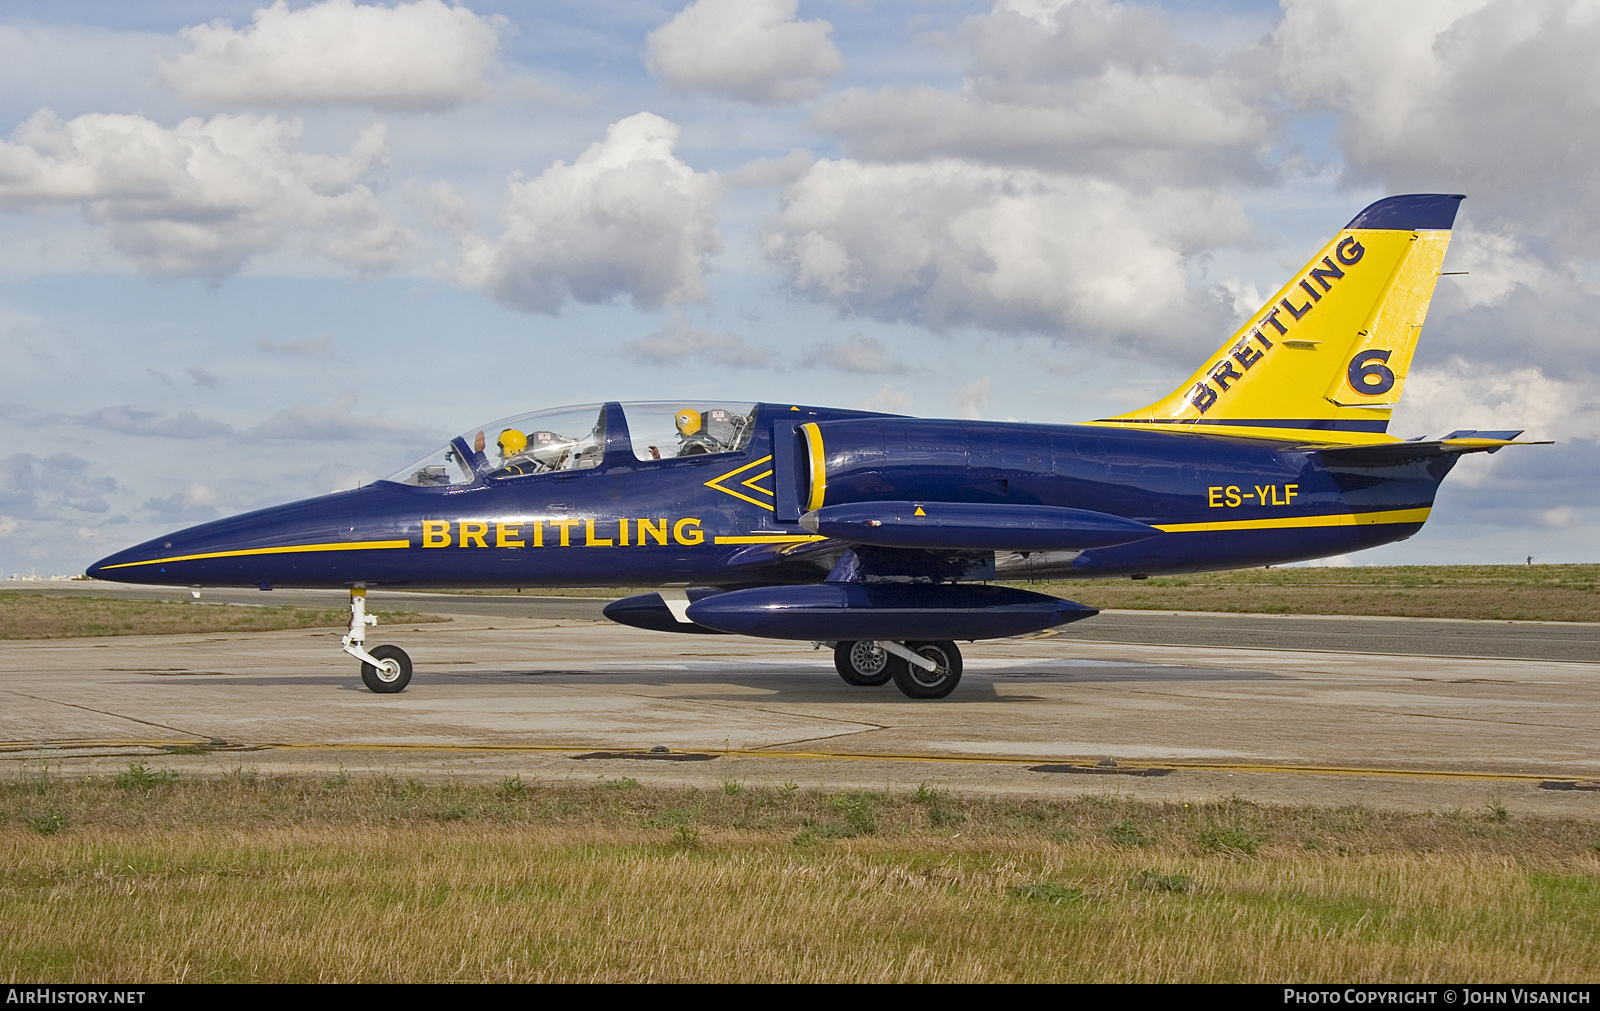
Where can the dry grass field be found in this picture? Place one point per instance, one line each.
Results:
(1494, 592)
(37, 616)
(144, 877)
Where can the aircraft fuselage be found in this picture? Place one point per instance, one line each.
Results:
(731, 519)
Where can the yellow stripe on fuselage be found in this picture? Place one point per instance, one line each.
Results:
(1270, 523)
(1292, 522)
(339, 546)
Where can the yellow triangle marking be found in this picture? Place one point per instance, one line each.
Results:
(919, 512)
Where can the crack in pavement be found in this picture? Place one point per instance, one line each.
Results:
(102, 712)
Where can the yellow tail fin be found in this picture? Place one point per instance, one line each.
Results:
(1325, 359)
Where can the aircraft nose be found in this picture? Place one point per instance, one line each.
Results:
(107, 567)
(332, 540)
(142, 563)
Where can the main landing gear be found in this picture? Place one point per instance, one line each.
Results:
(921, 670)
(386, 669)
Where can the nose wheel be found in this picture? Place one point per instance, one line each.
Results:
(385, 669)
(391, 673)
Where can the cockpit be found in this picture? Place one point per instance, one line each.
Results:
(575, 438)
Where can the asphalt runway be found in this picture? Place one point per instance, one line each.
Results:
(1385, 712)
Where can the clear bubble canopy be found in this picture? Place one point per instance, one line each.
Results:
(574, 438)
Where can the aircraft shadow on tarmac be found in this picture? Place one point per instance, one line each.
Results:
(815, 685)
(1130, 672)
(1108, 672)
(820, 685)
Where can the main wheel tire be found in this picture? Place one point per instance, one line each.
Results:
(864, 663)
(916, 683)
(393, 676)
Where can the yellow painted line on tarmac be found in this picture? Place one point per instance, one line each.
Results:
(1082, 761)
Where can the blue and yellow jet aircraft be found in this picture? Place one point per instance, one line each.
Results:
(883, 535)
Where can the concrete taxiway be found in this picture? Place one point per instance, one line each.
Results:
(1388, 712)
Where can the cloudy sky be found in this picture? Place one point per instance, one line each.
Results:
(250, 254)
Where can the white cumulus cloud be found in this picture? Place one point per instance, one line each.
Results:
(681, 341)
(748, 49)
(205, 196)
(1461, 395)
(1499, 99)
(1086, 86)
(422, 55)
(626, 218)
(338, 420)
(885, 399)
(859, 353)
(972, 398)
(948, 243)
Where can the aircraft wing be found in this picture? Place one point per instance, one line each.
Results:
(953, 528)
(812, 548)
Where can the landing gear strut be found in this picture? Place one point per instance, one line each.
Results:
(386, 669)
(921, 670)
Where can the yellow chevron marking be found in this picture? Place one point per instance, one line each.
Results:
(716, 483)
(751, 484)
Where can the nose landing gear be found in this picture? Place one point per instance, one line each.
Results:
(386, 669)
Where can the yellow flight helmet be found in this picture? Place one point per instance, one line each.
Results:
(688, 421)
(512, 442)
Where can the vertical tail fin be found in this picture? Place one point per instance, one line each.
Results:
(1326, 358)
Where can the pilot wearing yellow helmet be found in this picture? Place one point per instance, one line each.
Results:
(692, 436)
(512, 442)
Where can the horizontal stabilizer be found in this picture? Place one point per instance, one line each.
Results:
(973, 526)
(1454, 444)
(1470, 433)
